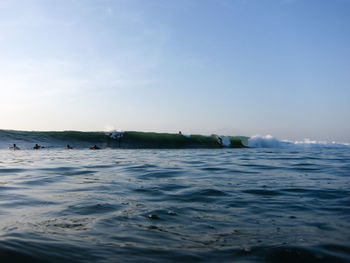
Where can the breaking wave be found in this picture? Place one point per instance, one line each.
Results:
(269, 141)
(149, 140)
(115, 139)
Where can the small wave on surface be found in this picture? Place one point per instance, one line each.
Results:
(269, 141)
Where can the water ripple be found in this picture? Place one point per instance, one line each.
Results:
(246, 205)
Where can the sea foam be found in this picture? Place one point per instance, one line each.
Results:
(268, 141)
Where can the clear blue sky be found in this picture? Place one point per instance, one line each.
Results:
(235, 67)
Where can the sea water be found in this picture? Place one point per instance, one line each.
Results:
(189, 205)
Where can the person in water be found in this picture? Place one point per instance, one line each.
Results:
(95, 147)
(68, 147)
(220, 141)
(13, 147)
(36, 147)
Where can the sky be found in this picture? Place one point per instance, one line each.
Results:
(229, 67)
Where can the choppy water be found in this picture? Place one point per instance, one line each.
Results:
(218, 205)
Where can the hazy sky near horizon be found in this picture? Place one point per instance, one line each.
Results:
(235, 67)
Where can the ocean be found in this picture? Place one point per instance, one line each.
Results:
(264, 201)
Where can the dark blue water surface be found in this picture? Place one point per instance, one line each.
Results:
(223, 205)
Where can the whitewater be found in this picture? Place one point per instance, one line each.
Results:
(269, 141)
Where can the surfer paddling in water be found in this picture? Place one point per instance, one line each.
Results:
(37, 147)
(95, 147)
(13, 147)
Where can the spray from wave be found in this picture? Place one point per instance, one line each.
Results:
(269, 141)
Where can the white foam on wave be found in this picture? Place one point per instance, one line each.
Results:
(313, 143)
(226, 141)
(115, 134)
(269, 141)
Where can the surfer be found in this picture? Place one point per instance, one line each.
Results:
(37, 147)
(180, 132)
(68, 147)
(13, 147)
(220, 141)
(95, 147)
